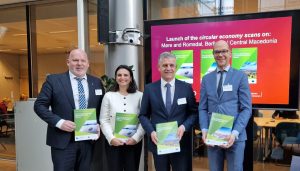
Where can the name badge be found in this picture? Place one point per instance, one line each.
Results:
(98, 92)
(181, 101)
(227, 87)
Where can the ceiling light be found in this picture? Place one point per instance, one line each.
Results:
(58, 47)
(5, 50)
(20, 34)
(2, 31)
(62, 31)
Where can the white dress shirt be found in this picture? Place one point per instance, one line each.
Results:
(164, 89)
(74, 85)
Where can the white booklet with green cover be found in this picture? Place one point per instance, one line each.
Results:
(86, 124)
(125, 125)
(168, 142)
(219, 128)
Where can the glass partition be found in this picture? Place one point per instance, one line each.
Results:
(56, 35)
(14, 73)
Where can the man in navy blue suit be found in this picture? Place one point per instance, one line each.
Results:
(234, 99)
(183, 109)
(61, 93)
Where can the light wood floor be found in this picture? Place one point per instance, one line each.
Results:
(199, 164)
(7, 165)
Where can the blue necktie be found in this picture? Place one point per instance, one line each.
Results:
(82, 102)
(168, 98)
(219, 89)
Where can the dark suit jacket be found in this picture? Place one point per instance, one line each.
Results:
(153, 111)
(57, 94)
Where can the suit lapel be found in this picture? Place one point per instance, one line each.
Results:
(227, 79)
(228, 76)
(159, 95)
(176, 95)
(66, 83)
(91, 90)
(214, 81)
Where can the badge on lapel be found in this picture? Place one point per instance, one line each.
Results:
(227, 87)
(98, 92)
(181, 101)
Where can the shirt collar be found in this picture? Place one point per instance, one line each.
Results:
(72, 76)
(172, 82)
(226, 68)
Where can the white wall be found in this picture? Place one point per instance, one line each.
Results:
(32, 153)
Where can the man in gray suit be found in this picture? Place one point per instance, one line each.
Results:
(233, 98)
(61, 92)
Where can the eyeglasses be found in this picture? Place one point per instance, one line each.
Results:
(222, 52)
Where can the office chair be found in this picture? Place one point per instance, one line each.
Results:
(295, 164)
(3, 125)
(287, 135)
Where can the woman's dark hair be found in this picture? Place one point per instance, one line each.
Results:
(132, 85)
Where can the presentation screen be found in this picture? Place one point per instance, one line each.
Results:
(265, 46)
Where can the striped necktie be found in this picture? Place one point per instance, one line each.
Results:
(82, 102)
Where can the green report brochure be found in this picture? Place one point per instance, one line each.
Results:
(86, 124)
(208, 63)
(125, 125)
(168, 141)
(245, 59)
(219, 128)
(185, 67)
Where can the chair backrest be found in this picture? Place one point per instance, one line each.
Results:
(295, 165)
(286, 129)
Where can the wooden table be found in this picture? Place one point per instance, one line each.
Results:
(272, 123)
(267, 124)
